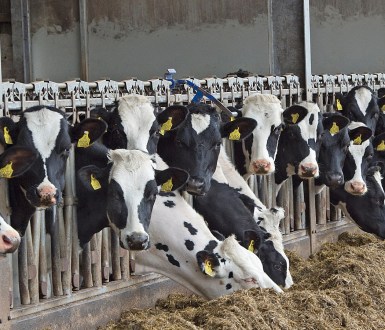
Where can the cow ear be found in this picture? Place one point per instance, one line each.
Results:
(381, 104)
(171, 179)
(171, 118)
(379, 142)
(251, 240)
(376, 167)
(360, 134)
(8, 132)
(339, 102)
(334, 123)
(208, 263)
(218, 235)
(238, 129)
(101, 113)
(94, 178)
(87, 132)
(294, 114)
(16, 161)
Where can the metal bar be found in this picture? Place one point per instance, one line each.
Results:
(83, 40)
(270, 37)
(27, 59)
(307, 48)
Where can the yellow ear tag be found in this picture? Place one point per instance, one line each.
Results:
(383, 108)
(232, 118)
(294, 117)
(235, 135)
(208, 269)
(95, 184)
(7, 137)
(357, 140)
(339, 105)
(334, 129)
(84, 141)
(166, 126)
(167, 186)
(6, 171)
(381, 146)
(251, 246)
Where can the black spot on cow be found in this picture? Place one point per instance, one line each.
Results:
(161, 247)
(211, 246)
(189, 245)
(311, 119)
(169, 203)
(259, 208)
(273, 209)
(190, 228)
(166, 194)
(260, 218)
(223, 260)
(172, 260)
(228, 286)
(231, 275)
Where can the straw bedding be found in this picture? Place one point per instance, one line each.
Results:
(341, 287)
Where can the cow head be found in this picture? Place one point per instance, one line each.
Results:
(260, 148)
(333, 147)
(360, 104)
(297, 144)
(130, 186)
(133, 125)
(358, 158)
(194, 146)
(13, 162)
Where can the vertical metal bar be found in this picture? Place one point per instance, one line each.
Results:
(83, 40)
(270, 36)
(307, 48)
(27, 59)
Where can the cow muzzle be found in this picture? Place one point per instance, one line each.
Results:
(334, 180)
(136, 241)
(196, 186)
(47, 195)
(356, 188)
(9, 241)
(262, 166)
(307, 170)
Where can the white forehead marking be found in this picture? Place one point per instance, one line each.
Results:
(137, 116)
(355, 124)
(309, 131)
(200, 122)
(45, 127)
(363, 97)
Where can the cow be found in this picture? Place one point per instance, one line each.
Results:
(367, 211)
(13, 162)
(186, 251)
(360, 104)
(380, 125)
(297, 146)
(45, 130)
(194, 146)
(123, 194)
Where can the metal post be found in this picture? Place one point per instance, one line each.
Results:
(83, 40)
(307, 48)
(270, 37)
(27, 60)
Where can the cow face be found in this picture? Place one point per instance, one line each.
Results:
(13, 162)
(360, 104)
(260, 149)
(367, 211)
(297, 144)
(334, 145)
(358, 158)
(195, 145)
(133, 125)
(131, 185)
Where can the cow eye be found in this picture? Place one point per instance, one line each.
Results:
(66, 152)
(217, 145)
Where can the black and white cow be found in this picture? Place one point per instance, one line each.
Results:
(194, 146)
(186, 251)
(122, 196)
(367, 211)
(380, 126)
(45, 130)
(360, 104)
(13, 162)
(297, 146)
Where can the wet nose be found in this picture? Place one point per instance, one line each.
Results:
(138, 241)
(10, 240)
(308, 170)
(334, 179)
(357, 188)
(261, 166)
(47, 195)
(195, 186)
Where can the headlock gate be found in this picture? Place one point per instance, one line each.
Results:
(47, 272)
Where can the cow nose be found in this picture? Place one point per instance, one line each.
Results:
(308, 170)
(357, 188)
(138, 241)
(10, 241)
(261, 166)
(195, 186)
(47, 195)
(334, 179)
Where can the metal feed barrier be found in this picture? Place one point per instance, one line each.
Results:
(48, 273)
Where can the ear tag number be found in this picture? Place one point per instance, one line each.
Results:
(6, 171)
(235, 135)
(208, 268)
(95, 184)
(339, 105)
(167, 186)
(166, 126)
(84, 141)
(294, 118)
(7, 136)
(334, 129)
(381, 146)
(251, 246)
(357, 140)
